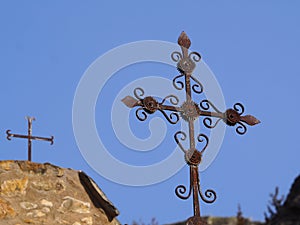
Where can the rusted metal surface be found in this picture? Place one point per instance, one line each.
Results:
(29, 136)
(190, 111)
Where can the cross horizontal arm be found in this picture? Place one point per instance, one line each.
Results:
(10, 135)
(149, 105)
(51, 140)
(212, 114)
(170, 108)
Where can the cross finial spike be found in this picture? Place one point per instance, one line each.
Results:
(184, 43)
(184, 40)
(30, 118)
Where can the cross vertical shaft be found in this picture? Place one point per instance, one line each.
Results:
(29, 119)
(195, 180)
(194, 176)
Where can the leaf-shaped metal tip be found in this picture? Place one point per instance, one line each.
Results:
(184, 40)
(130, 101)
(250, 120)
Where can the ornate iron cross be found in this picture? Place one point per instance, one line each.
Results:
(29, 136)
(190, 111)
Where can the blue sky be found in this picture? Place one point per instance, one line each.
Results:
(252, 48)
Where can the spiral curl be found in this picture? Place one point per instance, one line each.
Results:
(195, 56)
(241, 129)
(183, 138)
(177, 83)
(207, 121)
(173, 99)
(8, 135)
(141, 114)
(206, 104)
(173, 118)
(239, 108)
(200, 139)
(196, 86)
(138, 95)
(181, 190)
(209, 195)
(176, 56)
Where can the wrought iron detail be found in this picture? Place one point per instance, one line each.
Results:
(234, 116)
(180, 190)
(177, 82)
(209, 195)
(196, 86)
(193, 157)
(183, 137)
(201, 138)
(172, 118)
(189, 111)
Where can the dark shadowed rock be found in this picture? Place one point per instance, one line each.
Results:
(289, 212)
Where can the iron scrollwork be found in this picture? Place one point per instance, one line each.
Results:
(208, 121)
(189, 111)
(149, 105)
(234, 116)
(180, 190)
(209, 195)
(231, 117)
(183, 137)
(179, 85)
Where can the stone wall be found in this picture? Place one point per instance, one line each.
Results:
(32, 193)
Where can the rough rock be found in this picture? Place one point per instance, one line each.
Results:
(33, 193)
(74, 205)
(229, 221)
(6, 210)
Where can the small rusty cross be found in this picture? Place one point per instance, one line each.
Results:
(190, 111)
(29, 136)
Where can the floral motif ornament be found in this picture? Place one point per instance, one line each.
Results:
(190, 111)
